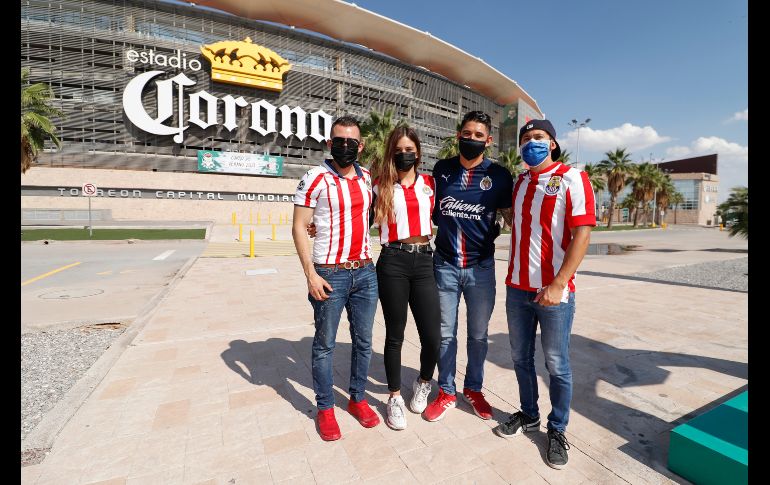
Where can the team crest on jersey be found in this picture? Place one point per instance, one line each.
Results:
(301, 185)
(427, 190)
(486, 183)
(552, 187)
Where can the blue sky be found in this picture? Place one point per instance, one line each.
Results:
(667, 78)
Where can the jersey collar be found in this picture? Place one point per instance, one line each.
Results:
(330, 167)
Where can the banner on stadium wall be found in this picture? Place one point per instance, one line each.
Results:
(233, 162)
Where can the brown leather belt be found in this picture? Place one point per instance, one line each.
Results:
(352, 264)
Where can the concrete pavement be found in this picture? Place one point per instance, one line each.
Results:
(216, 387)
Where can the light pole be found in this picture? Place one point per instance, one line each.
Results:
(578, 125)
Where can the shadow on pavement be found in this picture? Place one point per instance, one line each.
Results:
(283, 364)
(627, 369)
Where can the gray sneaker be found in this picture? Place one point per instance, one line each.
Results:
(556, 456)
(517, 424)
(421, 391)
(396, 413)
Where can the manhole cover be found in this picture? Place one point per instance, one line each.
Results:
(73, 293)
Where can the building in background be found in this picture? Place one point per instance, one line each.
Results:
(695, 178)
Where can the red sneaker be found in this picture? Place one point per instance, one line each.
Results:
(438, 408)
(363, 413)
(480, 405)
(327, 425)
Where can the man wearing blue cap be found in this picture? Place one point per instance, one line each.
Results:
(553, 212)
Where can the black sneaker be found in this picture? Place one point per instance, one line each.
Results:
(556, 456)
(516, 424)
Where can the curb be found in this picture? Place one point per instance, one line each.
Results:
(46, 431)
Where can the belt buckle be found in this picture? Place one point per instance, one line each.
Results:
(351, 264)
(412, 248)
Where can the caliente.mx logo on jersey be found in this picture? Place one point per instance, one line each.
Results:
(452, 207)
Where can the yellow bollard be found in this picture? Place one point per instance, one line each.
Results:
(721, 227)
(240, 232)
(273, 232)
(233, 218)
(251, 243)
(258, 216)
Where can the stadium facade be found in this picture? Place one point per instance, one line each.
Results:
(153, 87)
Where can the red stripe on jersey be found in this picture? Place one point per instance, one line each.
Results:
(412, 210)
(464, 262)
(341, 199)
(546, 239)
(514, 249)
(526, 231)
(331, 218)
(567, 237)
(312, 187)
(357, 219)
(467, 177)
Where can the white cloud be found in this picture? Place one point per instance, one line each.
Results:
(625, 136)
(732, 160)
(740, 116)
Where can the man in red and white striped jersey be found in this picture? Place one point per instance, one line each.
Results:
(553, 213)
(336, 196)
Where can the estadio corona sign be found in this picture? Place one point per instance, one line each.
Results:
(241, 63)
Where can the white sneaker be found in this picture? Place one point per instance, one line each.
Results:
(419, 400)
(396, 413)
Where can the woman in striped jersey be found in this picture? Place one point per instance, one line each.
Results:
(403, 205)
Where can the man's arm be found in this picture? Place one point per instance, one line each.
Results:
(315, 284)
(551, 295)
(507, 216)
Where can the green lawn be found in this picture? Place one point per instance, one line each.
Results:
(70, 234)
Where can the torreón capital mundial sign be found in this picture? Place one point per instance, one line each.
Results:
(241, 63)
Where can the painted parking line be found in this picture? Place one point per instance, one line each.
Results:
(32, 280)
(164, 255)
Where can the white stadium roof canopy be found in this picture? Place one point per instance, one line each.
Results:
(350, 23)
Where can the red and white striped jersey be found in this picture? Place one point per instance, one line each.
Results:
(546, 207)
(341, 215)
(412, 209)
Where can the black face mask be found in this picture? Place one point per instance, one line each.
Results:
(344, 155)
(471, 149)
(405, 161)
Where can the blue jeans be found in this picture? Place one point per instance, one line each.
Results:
(477, 285)
(555, 327)
(355, 290)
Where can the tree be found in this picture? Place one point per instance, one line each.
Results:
(36, 126)
(676, 198)
(616, 168)
(564, 157)
(512, 161)
(596, 178)
(665, 190)
(374, 133)
(644, 182)
(629, 203)
(736, 211)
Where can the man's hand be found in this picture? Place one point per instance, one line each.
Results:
(311, 230)
(316, 286)
(550, 295)
(507, 217)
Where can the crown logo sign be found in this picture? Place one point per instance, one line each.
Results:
(246, 64)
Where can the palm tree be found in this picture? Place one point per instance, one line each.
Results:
(665, 190)
(616, 167)
(36, 126)
(676, 198)
(596, 178)
(564, 157)
(629, 203)
(374, 132)
(644, 181)
(512, 161)
(449, 145)
(736, 208)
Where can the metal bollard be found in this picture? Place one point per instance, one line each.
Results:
(251, 243)
(240, 232)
